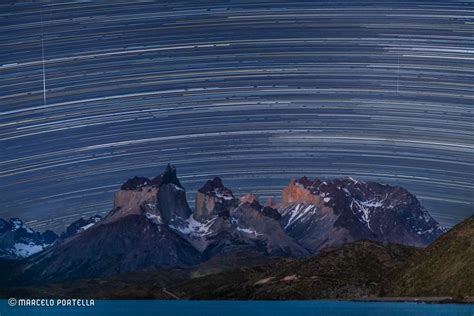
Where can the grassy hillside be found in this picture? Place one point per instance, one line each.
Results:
(354, 270)
(445, 268)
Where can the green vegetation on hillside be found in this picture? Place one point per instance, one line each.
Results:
(445, 268)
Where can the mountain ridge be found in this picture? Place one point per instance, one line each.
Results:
(154, 214)
(18, 241)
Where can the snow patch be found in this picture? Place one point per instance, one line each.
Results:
(264, 281)
(16, 224)
(195, 228)
(83, 228)
(220, 194)
(154, 218)
(289, 278)
(353, 180)
(365, 208)
(150, 206)
(26, 250)
(94, 219)
(300, 211)
(177, 187)
(372, 203)
(363, 211)
(248, 231)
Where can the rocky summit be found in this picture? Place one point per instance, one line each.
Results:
(151, 226)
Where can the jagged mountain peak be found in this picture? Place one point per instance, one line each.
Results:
(135, 183)
(216, 188)
(271, 203)
(249, 198)
(17, 224)
(297, 191)
(161, 200)
(306, 182)
(167, 176)
(215, 183)
(329, 191)
(317, 185)
(271, 212)
(253, 204)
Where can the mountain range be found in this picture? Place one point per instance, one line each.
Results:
(152, 226)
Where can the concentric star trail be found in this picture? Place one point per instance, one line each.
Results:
(92, 94)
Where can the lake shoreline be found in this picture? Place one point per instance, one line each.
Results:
(425, 300)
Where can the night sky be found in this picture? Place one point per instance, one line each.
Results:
(256, 93)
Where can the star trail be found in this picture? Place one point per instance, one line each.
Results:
(254, 92)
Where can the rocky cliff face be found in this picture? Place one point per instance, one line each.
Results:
(162, 198)
(18, 241)
(213, 199)
(134, 202)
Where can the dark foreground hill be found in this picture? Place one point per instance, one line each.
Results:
(354, 270)
(134, 285)
(445, 268)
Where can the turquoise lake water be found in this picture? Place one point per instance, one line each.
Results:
(242, 308)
